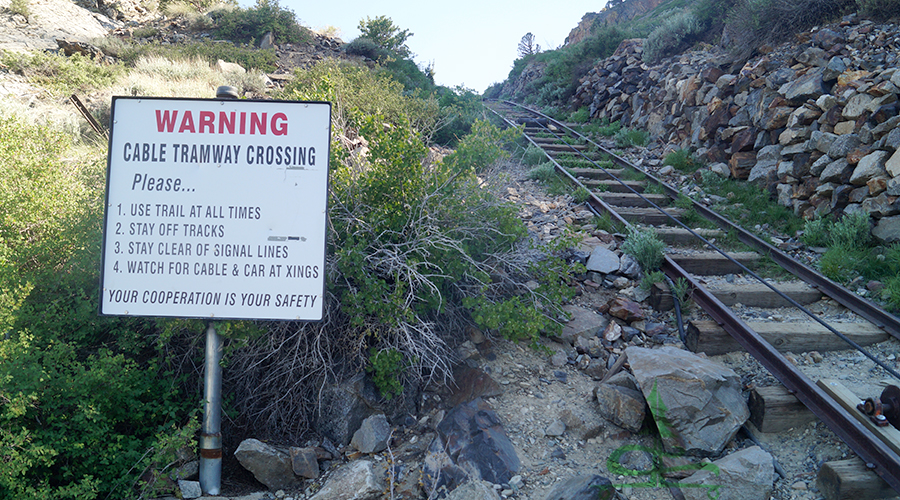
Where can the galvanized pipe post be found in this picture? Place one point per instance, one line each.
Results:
(210, 431)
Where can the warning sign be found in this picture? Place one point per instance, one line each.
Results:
(216, 209)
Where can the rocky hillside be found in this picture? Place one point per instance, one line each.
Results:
(623, 11)
(814, 122)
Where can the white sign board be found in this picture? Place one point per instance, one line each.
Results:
(216, 209)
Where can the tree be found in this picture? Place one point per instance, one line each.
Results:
(385, 34)
(527, 46)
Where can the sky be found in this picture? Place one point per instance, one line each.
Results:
(469, 42)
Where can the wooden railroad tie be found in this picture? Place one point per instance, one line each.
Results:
(707, 336)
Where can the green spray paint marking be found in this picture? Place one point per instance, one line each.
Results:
(656, 476)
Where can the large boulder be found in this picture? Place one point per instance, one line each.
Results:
(471, 444)
(355, 481)
(372, 435)
(744, 475)
(871, 165)
(697, 403)
(269, 465)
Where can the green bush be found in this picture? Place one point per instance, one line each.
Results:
(580, 116)
(460, 107)
(545, 172)
(852, 231)
(60, 74)
(631, 137)
(533, 155)
(581, 194)
(366, 47)
(361, 92)
(815, 232)
(673, 35)
(645, 246)
(20, 7)
(482, 148)
(385, 34)
(84, 398)
(682, 160)
(250, 25)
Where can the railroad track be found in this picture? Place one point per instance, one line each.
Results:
(724, 330)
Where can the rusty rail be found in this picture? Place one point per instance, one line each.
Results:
(877, 455)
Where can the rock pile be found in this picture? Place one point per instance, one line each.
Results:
(814, 123)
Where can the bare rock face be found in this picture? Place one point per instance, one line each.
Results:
(696, 403)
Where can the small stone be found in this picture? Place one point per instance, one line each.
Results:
(189, 489)
(799, 485)
(557, 428)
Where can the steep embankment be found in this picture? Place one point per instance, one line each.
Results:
(814, 122)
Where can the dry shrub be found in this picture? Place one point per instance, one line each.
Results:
(753, 23)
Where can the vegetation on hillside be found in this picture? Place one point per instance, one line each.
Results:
(673, 27)
(419, 247)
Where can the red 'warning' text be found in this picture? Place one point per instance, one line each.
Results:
(209, 122)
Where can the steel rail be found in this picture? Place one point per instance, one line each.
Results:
(860, 305)
(877, 455)
(673, 193)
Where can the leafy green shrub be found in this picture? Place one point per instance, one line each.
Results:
(651, 278)
(362, 92)
(682, 160)
(816, 232)
(385, 34)
(533, 155)
(460, 107)
(85, 398)
(852, 231)
(366, 47)
(544, 172)
(645, 246)
(580, 116)
(632, 137)
(482, 148)
(386, 367)
(250, 25)
(676, 32)
(60, 74)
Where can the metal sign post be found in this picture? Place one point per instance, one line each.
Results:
(216, 209)
(210, 431)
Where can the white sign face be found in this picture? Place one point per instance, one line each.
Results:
(216, 209)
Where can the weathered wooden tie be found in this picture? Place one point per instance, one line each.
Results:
(706, 263)
(707, 336)
(634, 201)
(775, 409)
(851, 480)
(759, 295)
